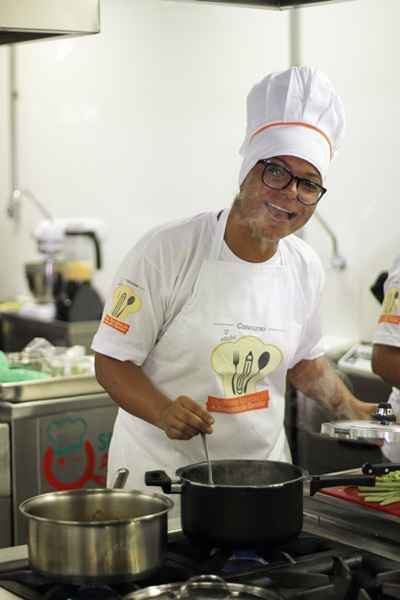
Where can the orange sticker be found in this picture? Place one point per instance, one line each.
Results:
(116, 324)
(395, 319)
(238, 404)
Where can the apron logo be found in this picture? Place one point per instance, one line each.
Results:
(125, 302)
(240, 365)
(391, 307)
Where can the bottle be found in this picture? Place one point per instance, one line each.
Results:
(78, 299)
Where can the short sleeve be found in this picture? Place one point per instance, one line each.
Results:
(134, 311)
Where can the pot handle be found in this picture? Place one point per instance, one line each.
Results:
(379, 469)
(160, 479)
(120, 478)
(323, 481)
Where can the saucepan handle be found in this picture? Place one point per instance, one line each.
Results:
(162, 480)
(318, 482)
(121, 477)
(380, 468)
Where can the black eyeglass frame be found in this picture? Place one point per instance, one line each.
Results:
(267, 161)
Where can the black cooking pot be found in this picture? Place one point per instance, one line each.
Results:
(251, 503)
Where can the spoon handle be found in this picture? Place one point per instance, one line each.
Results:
(205, 446)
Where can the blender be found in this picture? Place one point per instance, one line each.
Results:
(77, 299)
(72, 253)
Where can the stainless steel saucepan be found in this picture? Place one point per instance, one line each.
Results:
(92, 535)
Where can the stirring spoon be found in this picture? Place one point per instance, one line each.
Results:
(205, 446)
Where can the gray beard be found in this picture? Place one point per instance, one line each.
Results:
(250, 222)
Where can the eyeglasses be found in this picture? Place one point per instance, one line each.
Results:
(278, 177)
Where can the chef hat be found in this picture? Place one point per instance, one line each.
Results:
(296, 113)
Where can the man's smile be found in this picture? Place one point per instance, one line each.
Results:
(279, 213)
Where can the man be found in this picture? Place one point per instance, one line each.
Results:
(386, 347)
(211, 316)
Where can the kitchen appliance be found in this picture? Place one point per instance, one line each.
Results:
(28, 20)
(97, 535)
(61, 283)
(270, 4)
(339, 555)
(5, 486)
(231, 512)
(364, 430)
(382, 426)
(16, 331)
(59, 443)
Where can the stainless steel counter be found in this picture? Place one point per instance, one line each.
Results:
(56, 387)
(39, 408)
(348, 523)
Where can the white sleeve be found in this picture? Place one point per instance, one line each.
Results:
(388, 329)
(134, 311)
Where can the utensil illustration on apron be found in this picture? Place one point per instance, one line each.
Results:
(130, 301)
(119, 304)
(262, 363)
(259, 360)
(246, 371)
(235, 359)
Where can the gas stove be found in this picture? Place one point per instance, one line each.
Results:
(310, 567)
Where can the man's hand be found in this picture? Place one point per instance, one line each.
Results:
(318, 380)
(183, 418)
(360, 410)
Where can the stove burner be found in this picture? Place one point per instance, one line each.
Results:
(243, 560)
(308, 568)
(390, 583)
(67, 592)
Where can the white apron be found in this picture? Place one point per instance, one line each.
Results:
(229, 348)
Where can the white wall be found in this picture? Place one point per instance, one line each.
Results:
(357, 44)
(142, 124)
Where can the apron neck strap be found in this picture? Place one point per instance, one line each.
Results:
(218, 238)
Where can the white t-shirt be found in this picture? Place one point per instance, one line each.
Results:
(163, 267)
(179, 297)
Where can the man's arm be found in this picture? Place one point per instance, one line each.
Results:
(318, 380)
(386, 363)
(132, 390)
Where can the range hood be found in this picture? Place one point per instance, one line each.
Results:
(26, 20)
(271, 4)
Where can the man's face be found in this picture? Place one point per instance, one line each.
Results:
(274, 214)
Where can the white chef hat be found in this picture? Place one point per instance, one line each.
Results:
(296, 113)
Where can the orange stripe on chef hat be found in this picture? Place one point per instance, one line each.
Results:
(290, 124)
